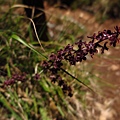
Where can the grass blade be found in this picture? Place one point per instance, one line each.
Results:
(27, 45)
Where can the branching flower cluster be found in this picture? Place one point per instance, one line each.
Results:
(14, 79)
(106, 36)
(55, 61)
(53, 66)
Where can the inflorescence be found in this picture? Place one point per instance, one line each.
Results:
(54, 65)
(14, 79)
(55, 61)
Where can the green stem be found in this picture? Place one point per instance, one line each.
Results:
(77, 79)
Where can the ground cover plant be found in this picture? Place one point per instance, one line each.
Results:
(38, 84)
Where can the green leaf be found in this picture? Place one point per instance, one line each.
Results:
(26, 44)
(43, 113)
(8, 70)
(45, 86)
(7, 105)
(60, 93)
(60, 110)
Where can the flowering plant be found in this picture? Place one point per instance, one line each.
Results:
(54, 63)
